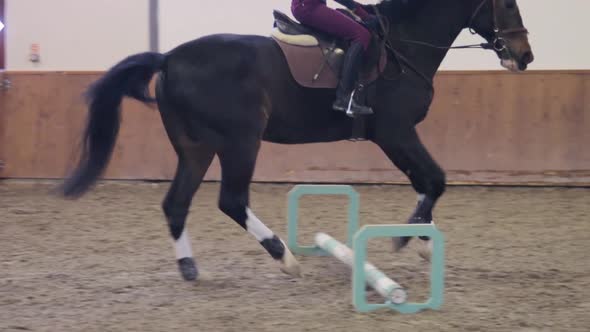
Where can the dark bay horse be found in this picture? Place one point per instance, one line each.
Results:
(223, 94)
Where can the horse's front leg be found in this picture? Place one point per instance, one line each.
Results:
(406, 151)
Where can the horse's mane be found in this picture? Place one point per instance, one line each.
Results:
(400, 10)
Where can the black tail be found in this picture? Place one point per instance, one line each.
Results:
(131, 78)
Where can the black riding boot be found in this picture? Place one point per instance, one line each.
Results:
(345, 100)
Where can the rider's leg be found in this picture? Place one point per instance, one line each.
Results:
(331, 21)
(347, 83)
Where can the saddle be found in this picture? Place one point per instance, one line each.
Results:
(315, 59)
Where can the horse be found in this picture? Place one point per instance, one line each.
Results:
(224, 94)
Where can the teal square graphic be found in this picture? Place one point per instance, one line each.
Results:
(293, 214)
(359, 277)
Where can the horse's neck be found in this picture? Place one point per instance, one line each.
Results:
(438, 23)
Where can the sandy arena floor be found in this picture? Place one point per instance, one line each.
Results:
(516, 261)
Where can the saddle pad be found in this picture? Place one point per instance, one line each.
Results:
(298, 40)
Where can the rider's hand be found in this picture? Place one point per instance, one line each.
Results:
(371, 22)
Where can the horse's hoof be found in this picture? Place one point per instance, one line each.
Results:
(400, 242)
(425, 249)
(290, 265)
(188, 268)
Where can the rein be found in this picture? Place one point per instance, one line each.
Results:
(498, 44)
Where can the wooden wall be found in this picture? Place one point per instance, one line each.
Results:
(484, 127)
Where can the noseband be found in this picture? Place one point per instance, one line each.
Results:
(499, 43)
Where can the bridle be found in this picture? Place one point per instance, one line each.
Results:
(499, 43)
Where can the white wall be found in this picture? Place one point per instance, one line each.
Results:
(558, 35)
(94, 34)
(183, 20)
(74, 34)
(558, 29)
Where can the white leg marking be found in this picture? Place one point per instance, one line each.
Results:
(182, 246)
(289, 264)
(256, 227)
(421, 198)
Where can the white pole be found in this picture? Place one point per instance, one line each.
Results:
(386, 287)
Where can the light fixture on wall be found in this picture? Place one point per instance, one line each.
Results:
(1, 26)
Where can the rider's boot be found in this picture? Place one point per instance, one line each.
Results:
(345, 100)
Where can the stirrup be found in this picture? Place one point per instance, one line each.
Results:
(348, 109)
(352, 114)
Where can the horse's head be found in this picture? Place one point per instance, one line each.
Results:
(500, 23)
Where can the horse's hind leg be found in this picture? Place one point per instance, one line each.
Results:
(237, 167)
(193, 162)
(194, 158)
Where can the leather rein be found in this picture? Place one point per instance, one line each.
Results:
(498, 44)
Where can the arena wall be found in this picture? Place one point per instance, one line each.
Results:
(92, 35)
(2, 41)
(74, 34)
(486, 125)
(554, 27)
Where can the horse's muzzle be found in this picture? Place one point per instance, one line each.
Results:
(526, 58)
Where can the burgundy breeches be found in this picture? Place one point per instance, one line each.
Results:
(316, 14)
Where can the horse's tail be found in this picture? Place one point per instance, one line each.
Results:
(131, 78)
